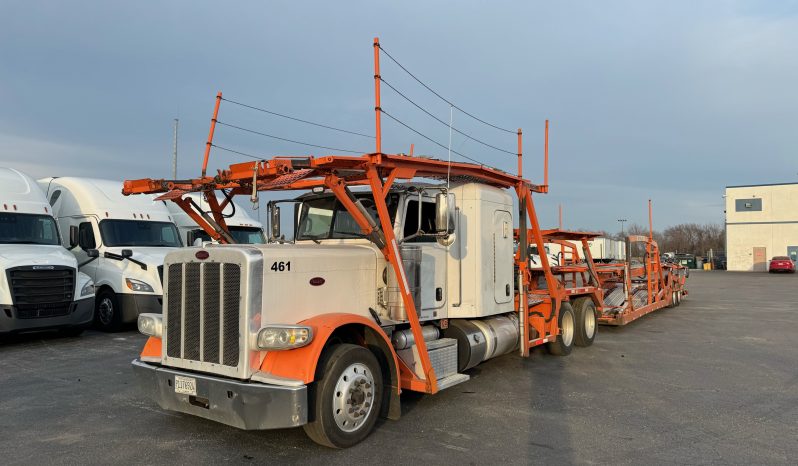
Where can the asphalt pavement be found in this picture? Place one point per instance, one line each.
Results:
(714, 380)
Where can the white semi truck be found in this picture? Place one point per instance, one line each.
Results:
(132, 235)
(40, 285)
(243, 228)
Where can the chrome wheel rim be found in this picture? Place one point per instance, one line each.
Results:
(353, 398)
(106, 311)
(590, 323)
(567, 328)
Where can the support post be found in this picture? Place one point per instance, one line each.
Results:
(210, 134)
(377, 109)
(546, 158)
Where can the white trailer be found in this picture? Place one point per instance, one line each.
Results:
(132, 235)
(42, 287)
(242, 227)
(607, 250)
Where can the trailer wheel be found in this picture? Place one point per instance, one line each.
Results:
(346, 398)
(673, 299)
(678, 298)
(564, 343)
(585, 320)
(107, 311)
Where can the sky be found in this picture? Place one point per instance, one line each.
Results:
(663, 100)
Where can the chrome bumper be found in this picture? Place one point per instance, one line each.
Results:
(246, 405)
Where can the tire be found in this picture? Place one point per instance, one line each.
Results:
(564, 343)
(345, 368)
(585, 322)
(107, 311)
(673, 300)
(678, 298)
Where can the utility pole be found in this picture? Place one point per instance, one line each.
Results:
(174, 153)
(621, 221)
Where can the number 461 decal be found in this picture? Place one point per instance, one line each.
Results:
(281, 266)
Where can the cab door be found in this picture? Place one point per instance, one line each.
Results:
(433, 256)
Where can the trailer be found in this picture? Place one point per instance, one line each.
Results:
(641, 284)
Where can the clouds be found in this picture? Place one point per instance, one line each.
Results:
(670, 100)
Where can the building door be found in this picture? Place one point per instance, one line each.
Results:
(792, 251)
(760, 260)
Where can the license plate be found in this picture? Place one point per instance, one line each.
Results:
(186, 385)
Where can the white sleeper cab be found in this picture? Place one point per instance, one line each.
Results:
(132, 235)
(40, 287)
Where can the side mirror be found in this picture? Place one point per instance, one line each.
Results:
(444, 213)
(92, 253)
(274, 220)
(127, 253)
(73, 236)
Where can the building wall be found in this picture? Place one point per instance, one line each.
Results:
(760, 216)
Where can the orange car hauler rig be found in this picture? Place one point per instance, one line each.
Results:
(389, 284)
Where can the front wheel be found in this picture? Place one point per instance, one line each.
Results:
(107, 311)
(585, 320)
(564, 343)
(347, 397)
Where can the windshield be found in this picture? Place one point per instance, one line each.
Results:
(28, 229)
(326, 218)
(139, 233)
(241, 235)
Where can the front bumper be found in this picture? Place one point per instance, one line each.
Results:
(246, 405)
(135, 304)
(81, 313)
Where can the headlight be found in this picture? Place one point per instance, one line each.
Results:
(151, 325)
(87, 289)
(280, 337)
(138, 285)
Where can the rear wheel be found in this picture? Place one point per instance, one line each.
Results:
(585, 320)
(564, 343)
(347, 397)
(107, 311)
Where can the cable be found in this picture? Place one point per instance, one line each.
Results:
(289, 140)
(239, 153)
(444, 123)
(440, 96)
(298, 119)
(432, 140)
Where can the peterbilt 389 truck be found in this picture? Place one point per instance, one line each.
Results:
(399, 287)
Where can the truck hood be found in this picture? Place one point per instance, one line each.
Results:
(14, 255)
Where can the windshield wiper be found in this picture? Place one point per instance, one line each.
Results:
(352, 234)
(314, 238)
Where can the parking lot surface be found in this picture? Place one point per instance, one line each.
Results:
(712, 381)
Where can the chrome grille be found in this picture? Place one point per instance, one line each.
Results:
(202, 312)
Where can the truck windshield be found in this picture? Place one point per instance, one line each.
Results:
(326, 218)
(28, 229)
(241, 235)
(139, 233)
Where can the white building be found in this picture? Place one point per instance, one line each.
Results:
(761, 222)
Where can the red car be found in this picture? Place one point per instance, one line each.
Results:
(781, 264)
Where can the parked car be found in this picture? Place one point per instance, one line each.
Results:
(781, 264)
